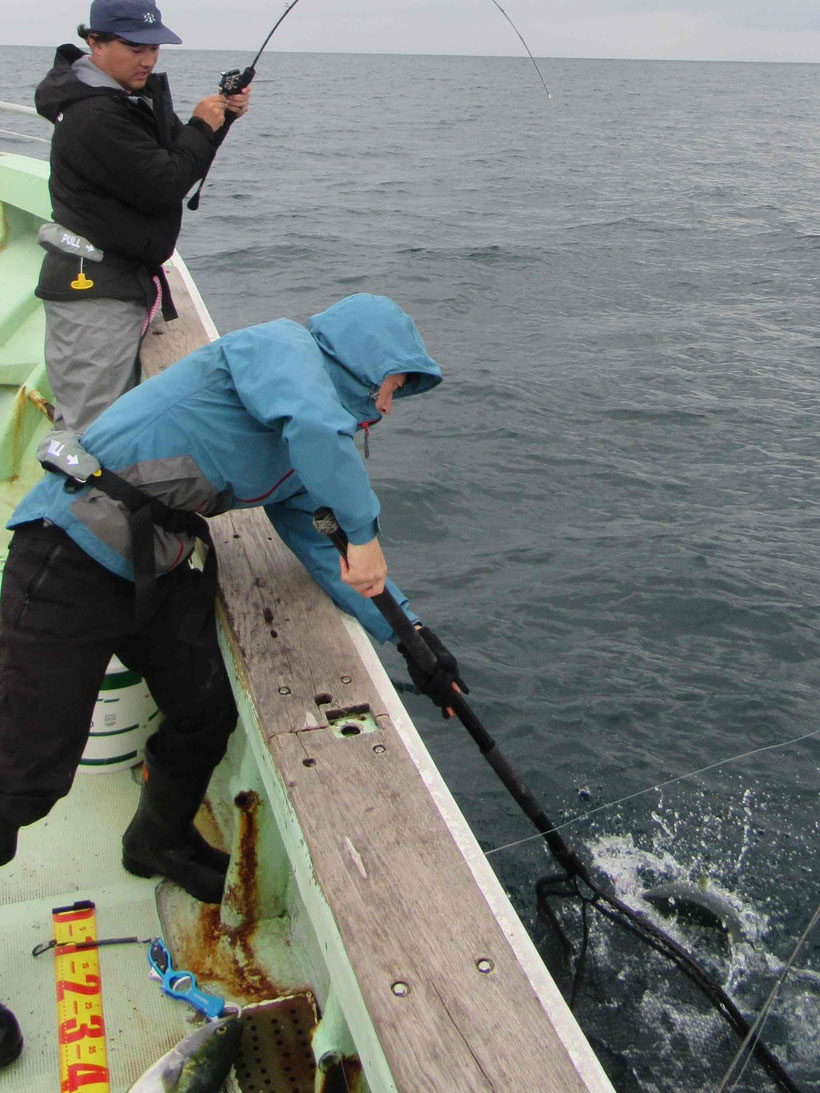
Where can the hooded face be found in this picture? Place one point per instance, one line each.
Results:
(373, 354)
(384, 395)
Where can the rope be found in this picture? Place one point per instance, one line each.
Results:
(152, 311)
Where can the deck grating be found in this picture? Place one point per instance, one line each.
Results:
(276, 1056)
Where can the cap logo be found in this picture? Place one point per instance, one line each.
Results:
(149, 17)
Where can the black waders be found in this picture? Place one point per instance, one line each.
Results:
(8, 842)
(162, 838)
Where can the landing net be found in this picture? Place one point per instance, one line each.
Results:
(656, 1018)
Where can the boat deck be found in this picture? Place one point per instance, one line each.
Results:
(67, 857)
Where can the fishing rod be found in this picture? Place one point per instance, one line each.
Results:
(606, 902)
(233, 82)
(325, 521)
(524, 44)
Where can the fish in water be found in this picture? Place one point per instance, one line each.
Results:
(699, 905)
(197, 1064)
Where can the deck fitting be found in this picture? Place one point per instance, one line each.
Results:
(352, 721)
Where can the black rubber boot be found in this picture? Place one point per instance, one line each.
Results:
(162, 838)
(11, 1038)
(8, 842)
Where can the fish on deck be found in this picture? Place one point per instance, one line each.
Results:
(198, 1064)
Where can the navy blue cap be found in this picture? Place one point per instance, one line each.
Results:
(137, 21)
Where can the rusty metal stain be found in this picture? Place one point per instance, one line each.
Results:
(208, 826)
(18, 416)
(243, 893)
(23, 397)
(36, 398)
(345, 1076)
(213, 950)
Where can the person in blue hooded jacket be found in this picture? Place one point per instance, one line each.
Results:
(266, 416)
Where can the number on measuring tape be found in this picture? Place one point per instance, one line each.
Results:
(80, 1023)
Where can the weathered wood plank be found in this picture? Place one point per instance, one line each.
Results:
(289, 632)
(405, 903)
(409, 911)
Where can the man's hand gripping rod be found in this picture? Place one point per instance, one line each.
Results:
(325, 521)
(234, 81)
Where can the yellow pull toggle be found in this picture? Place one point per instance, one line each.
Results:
(82, 281)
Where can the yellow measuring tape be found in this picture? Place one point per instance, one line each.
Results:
(81, 1029)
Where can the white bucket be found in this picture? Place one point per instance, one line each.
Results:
(124, 717)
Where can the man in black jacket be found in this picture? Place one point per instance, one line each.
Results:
(121, 164)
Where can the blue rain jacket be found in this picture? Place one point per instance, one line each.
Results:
(265, 416)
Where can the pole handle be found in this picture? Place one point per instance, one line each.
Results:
(324, 520)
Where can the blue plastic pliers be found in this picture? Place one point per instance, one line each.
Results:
(181, 984)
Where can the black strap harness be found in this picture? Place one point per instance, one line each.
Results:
(144, 514)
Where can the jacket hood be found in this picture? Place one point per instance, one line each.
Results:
(364, 339)
(61, 85)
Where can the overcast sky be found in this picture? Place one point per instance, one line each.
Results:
(742, 30)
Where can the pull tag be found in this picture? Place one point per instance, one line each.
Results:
(81, 282)
(61, 451)
(181, 984)
(59, 240)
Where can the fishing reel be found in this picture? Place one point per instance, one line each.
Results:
(233, 81)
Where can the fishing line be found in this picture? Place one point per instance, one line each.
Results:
(660, 785)
(232, 83)
(754, 1032)
(235, 81)
(518, 32)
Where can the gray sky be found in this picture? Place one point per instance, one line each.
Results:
(743, 30)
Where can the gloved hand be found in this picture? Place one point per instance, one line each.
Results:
(437, 683)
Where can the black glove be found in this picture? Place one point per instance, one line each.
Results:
(436, 683)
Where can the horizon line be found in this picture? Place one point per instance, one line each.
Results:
(488, 56)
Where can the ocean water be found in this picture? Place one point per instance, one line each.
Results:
(609, 511)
